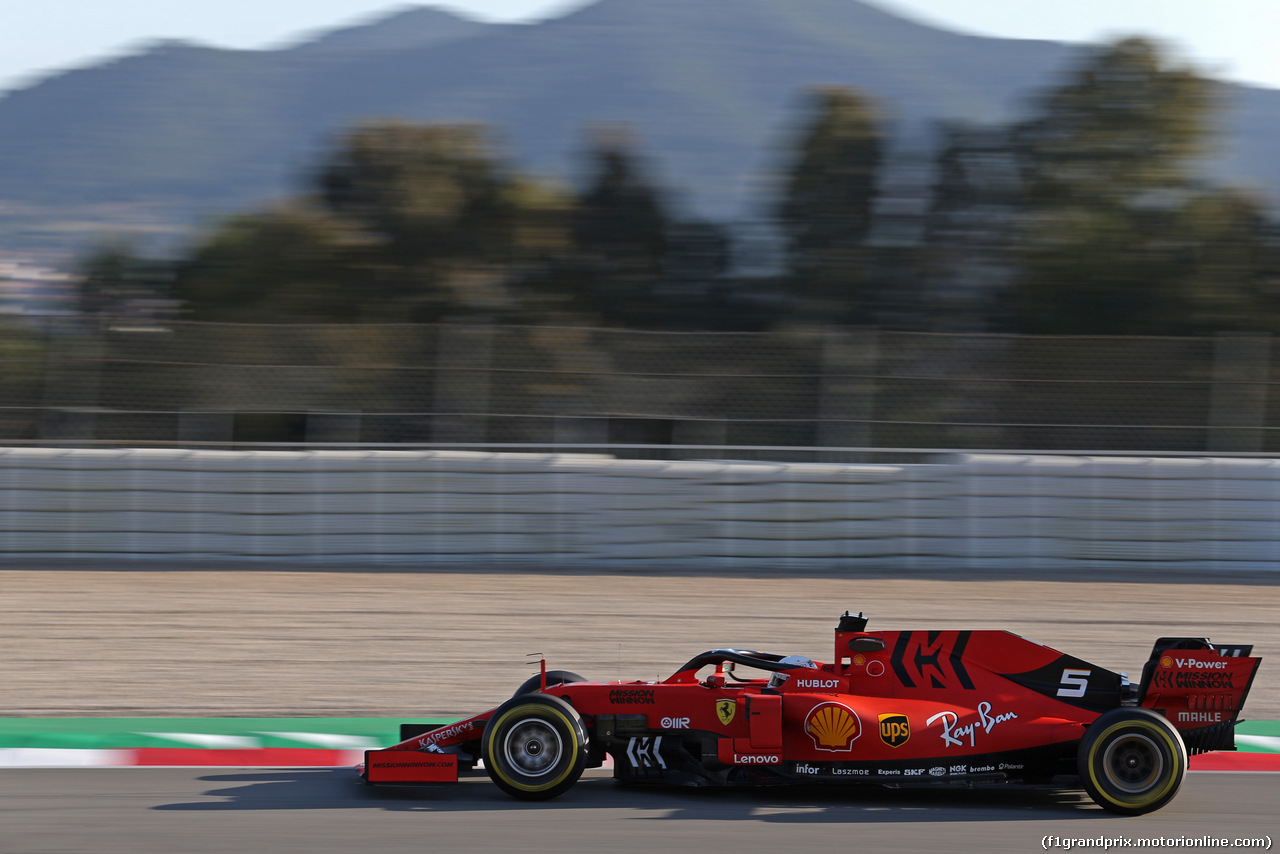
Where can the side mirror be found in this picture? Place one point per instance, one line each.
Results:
(866, 645)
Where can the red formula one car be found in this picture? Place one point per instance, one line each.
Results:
(893, 708)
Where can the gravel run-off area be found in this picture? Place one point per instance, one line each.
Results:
(266, 640)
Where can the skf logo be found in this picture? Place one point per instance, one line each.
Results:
(1166, 662)
(894, 730)
(833, 727)
(725, 710)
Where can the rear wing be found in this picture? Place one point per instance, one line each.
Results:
(1200, 687)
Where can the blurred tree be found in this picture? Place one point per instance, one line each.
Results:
(407, 223)
(1089, 218)
(288, 264)
(440, 212)
(104, 276)
(827, 203)
(1123, 126)
(1230, 254)
(634, 264)
(423, 223)
(23, 374)
(620, 237)
(1116, 236)
(620, 219)
(116, 281)
(698, 254)
(427, 192)
(976, 205)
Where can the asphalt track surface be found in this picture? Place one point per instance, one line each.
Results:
(164, 811)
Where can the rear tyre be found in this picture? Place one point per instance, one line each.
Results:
(1132, 761)
(554, 677)
(534, 747)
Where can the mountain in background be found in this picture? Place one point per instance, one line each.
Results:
(154, 142)
(414, 28)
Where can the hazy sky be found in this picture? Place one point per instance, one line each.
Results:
(1233, 39)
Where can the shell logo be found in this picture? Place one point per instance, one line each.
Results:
(1166, 662)
(859, 659)
(833, 727)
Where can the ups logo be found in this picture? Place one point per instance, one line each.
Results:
(894, 730)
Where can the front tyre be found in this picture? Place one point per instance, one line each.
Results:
(1131, 761)
(534, 747)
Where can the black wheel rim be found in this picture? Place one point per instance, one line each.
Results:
(1133, 763)
(532, 747)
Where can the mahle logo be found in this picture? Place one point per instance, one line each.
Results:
(894, 730)
(725, 710)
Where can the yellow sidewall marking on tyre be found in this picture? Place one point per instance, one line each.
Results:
(1150, 797)
(537, 708)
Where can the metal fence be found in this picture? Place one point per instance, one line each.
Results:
(68, 380)
(1036, 515)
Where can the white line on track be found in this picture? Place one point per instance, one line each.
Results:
(332, 741)
(208, 740)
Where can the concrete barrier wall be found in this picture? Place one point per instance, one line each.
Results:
(389, 507)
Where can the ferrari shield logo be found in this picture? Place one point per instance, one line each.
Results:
(894, 730)
(725, 710)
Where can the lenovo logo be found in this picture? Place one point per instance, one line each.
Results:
(755, 759)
